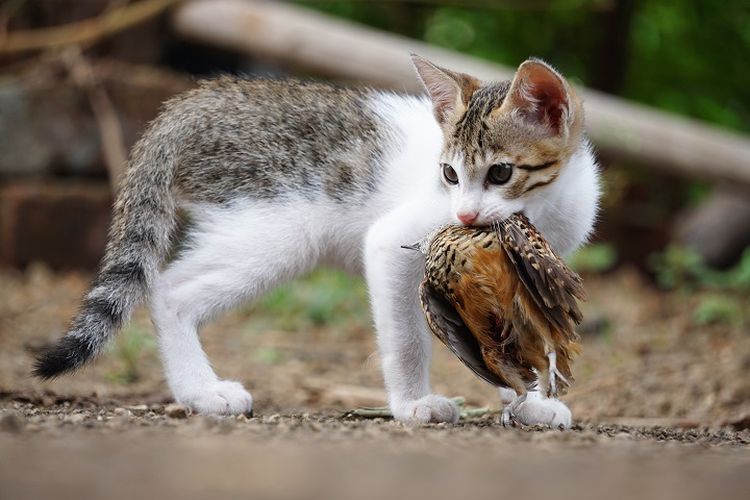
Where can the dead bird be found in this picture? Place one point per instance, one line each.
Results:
(503, 302)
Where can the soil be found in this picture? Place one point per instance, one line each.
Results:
(661, 405)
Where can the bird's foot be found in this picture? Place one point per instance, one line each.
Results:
(554, 375)
(508, 415)
(533, 408)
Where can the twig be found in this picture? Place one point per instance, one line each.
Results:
(6, 12)
(110, 129)
(86, 31)
(385, 412)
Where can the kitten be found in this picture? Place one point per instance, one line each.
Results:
(280, 176)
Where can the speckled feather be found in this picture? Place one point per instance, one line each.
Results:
(501, 300)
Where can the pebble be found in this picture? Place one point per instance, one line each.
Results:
(11, 423)
(176, 411)
(138, 409)
(76, 418)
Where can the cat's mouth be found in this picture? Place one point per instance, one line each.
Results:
(490, 220)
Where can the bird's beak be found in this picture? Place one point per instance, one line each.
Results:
(414, 246)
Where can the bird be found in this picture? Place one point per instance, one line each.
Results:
(504, 303)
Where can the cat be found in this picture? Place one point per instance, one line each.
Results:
(278, 177)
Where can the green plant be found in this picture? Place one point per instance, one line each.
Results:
(681, 268)
(129, 348)
(268, 355)
(718, 309)
(594, 258)
(323, 298)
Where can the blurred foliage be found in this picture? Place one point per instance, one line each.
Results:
(689, 57)
(681, 268)
(719, 309)
(324, 298)
(129, 348)
(594, 258)
(717, 297)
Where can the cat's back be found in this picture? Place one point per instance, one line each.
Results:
(268, 137)
(306, 109)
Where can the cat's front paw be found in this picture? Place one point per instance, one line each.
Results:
(431, 408)
(535, 409)
(222, 397)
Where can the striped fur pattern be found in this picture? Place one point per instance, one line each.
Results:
(501, 299)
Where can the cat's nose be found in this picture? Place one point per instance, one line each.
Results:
(467, 218)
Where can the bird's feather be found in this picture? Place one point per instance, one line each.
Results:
(502, 301)
(552, 285)
(448, 326)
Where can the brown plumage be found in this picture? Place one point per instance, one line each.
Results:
(504, 303)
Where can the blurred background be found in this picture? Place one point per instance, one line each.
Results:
(667, 329)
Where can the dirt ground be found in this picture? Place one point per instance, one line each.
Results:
(661, 405)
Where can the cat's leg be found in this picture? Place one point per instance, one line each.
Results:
(234, 256)
(393, 277)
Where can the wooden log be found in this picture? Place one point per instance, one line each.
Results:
(83, 32)
(719, 229)
(317, 43)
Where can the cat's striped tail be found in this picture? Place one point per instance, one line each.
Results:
(143, 220)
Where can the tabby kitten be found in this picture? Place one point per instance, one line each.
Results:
(280, 176)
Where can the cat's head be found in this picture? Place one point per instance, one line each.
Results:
(505, 142)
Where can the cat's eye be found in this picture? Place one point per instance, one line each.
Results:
(450, 175)
(500, 173)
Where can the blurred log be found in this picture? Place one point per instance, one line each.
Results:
(331, 47)
(718, 230)
(83, 32)
(47, 124)
(110, 129)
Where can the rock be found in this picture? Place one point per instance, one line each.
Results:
(176, 411)
(76, 418)
(138, 409)
(11, 422)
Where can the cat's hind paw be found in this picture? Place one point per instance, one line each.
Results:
(222, 397)
(430, 408)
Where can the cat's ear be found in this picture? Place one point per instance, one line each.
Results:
(540, 95)
(450, 91)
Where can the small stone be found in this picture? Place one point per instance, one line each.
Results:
(76, 418)
(120, 411)
(138, 409)
(11, 423)
(176, 411)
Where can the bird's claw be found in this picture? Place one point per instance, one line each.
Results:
(554, 374)
(508, 415)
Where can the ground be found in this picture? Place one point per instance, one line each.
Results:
(661, 404)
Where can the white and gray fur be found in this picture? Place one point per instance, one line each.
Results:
(276, 178)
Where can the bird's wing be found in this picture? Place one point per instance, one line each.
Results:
(552, 285)
(447, 325)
